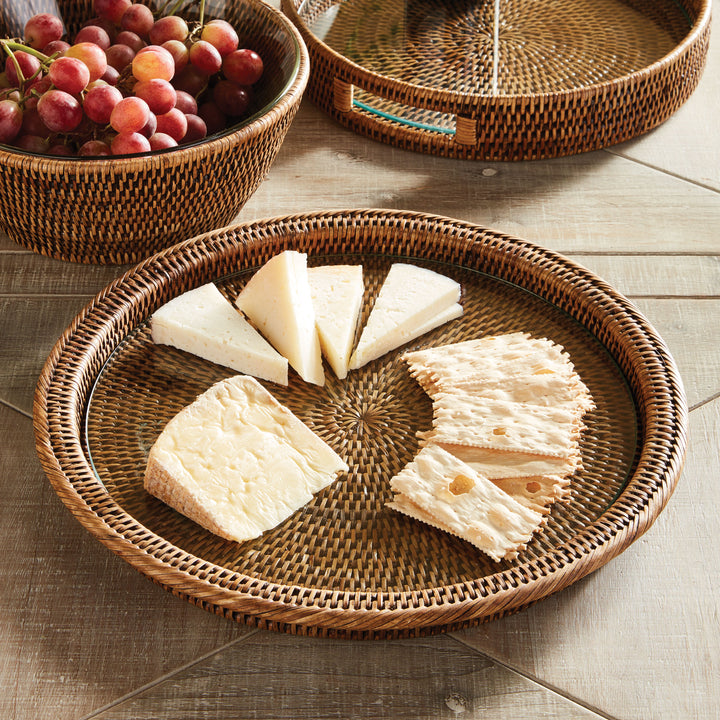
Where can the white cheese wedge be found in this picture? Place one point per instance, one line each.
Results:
(238, 462)
(277, 301)
(203, 322)
(451, 313)
(408, 301)
(337, 295)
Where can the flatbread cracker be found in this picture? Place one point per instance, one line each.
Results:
(494, 357)
(546, 389)
(443, 491)
(539, 492)
(503, 425)
(494, 464)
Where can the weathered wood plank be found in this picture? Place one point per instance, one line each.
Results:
(79, 626)
(638, 638)
(596, 201)
(688, 143)
(430, 678)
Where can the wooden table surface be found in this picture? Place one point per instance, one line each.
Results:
(83, 635)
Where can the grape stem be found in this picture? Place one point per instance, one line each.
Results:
(10, 45)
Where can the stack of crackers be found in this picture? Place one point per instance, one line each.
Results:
(507, 420)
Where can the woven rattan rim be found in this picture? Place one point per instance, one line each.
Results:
(74, 363)
(520, 126)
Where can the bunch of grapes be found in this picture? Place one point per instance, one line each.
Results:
(128, 82)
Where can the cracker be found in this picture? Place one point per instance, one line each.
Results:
(442, 491)
(492, 357)
(538, 492)
(546, 389)
(495, 464)
(503, 425)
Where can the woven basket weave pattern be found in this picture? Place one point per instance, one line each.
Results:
(557, 92)
(345, 564)
(123, 210)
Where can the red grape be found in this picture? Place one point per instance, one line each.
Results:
(27, 64)
(205, 57)
(186, 103)
(230, 98)
(173, 123)
(179, 52)
(131, 39)
(119, 56)
(113, 10)
(171, 27)
(60, 149)
(129, 144)
(191, 80)
(196, 128)
(150, 126)
(32, 123)
(69, 74)
(161, 141)
(42, 29)
(100, 101)
(36, 88)
(129, 115)
(221, 34)
(214, 118)
(153, 61)
(111, 75)
(160, 95)
(94, 34)
(138, 18)
(94, 148)
(244, 67)
(32, 143)
(11, 120)
(92, 55)
(60, 111)
(55, 46)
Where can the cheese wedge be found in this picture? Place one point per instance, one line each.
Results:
(408, 299)
(277, 301)
(337, 295)
(238, 462)
(442, 491)
(203, 322)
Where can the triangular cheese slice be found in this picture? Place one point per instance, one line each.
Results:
(409, 297)
(277, 301)
(203, 322)
(337, 294)
(238, 462)
(441, 490)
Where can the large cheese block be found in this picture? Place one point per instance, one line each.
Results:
(238, 462)
(277, 301)
(337, 295)
(409, 299)
(203, 322)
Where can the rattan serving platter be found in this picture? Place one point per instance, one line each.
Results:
(502, 79)
(345, 565)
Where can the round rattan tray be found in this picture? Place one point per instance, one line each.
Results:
(346, 565)
(502, 80)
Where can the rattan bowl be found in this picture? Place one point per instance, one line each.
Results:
(123, 209)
